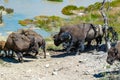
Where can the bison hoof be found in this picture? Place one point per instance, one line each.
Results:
(44, 56)
(21, 61)
(78, 53)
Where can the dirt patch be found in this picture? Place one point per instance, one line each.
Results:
(58, 66)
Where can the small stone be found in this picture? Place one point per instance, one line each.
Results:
(76, 71)
(47, 65)
(47, 54)
(86, 73)
(54, 73)
(80, 61)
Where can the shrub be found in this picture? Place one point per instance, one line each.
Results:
(25, 22)
(56, 0)
(67, 10)
(9, 10)
(2, 7)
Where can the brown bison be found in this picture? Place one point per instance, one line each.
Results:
(19, 44)
(76, 35)
(113, 54)
(39, 40)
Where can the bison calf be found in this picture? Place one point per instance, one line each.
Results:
(114, 54)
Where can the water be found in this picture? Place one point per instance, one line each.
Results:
(30, 8)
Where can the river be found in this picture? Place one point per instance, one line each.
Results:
(30, 8)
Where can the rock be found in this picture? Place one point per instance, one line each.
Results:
(80, 61)
(47, 54)
(54, 73)
(86, 73)
(47, 65)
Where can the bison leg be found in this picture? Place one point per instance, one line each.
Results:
(69, 47)
(6, 53)
(36, 53)
(44, 52)
(20, 56)
(88, 44)
(98, 41)
(12, 55)
(81, 47)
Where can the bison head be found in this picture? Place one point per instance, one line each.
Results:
(60, 38)
(112, 55)
(57, 41)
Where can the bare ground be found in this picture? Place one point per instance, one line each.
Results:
(57, 66)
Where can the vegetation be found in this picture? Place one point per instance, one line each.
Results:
(91, 15)
(48, 23)
(25, 22)
(56, 0)
(9, 10)
(2, 8)
(67, 10)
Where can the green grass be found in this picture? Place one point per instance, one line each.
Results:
(50, 44)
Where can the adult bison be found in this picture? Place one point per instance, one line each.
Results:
(76, 35)
(113, 54)
(19, 44)
(39, 40)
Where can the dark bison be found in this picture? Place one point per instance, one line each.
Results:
(113, 54)
(113, 33)
(76, 35)
(39, 40)
(19, 44)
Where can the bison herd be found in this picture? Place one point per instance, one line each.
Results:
(72, 37)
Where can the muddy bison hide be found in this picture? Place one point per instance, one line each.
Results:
(39, 40)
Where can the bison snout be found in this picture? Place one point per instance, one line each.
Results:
(110, 61)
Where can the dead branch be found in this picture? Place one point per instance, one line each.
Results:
(102, 10)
